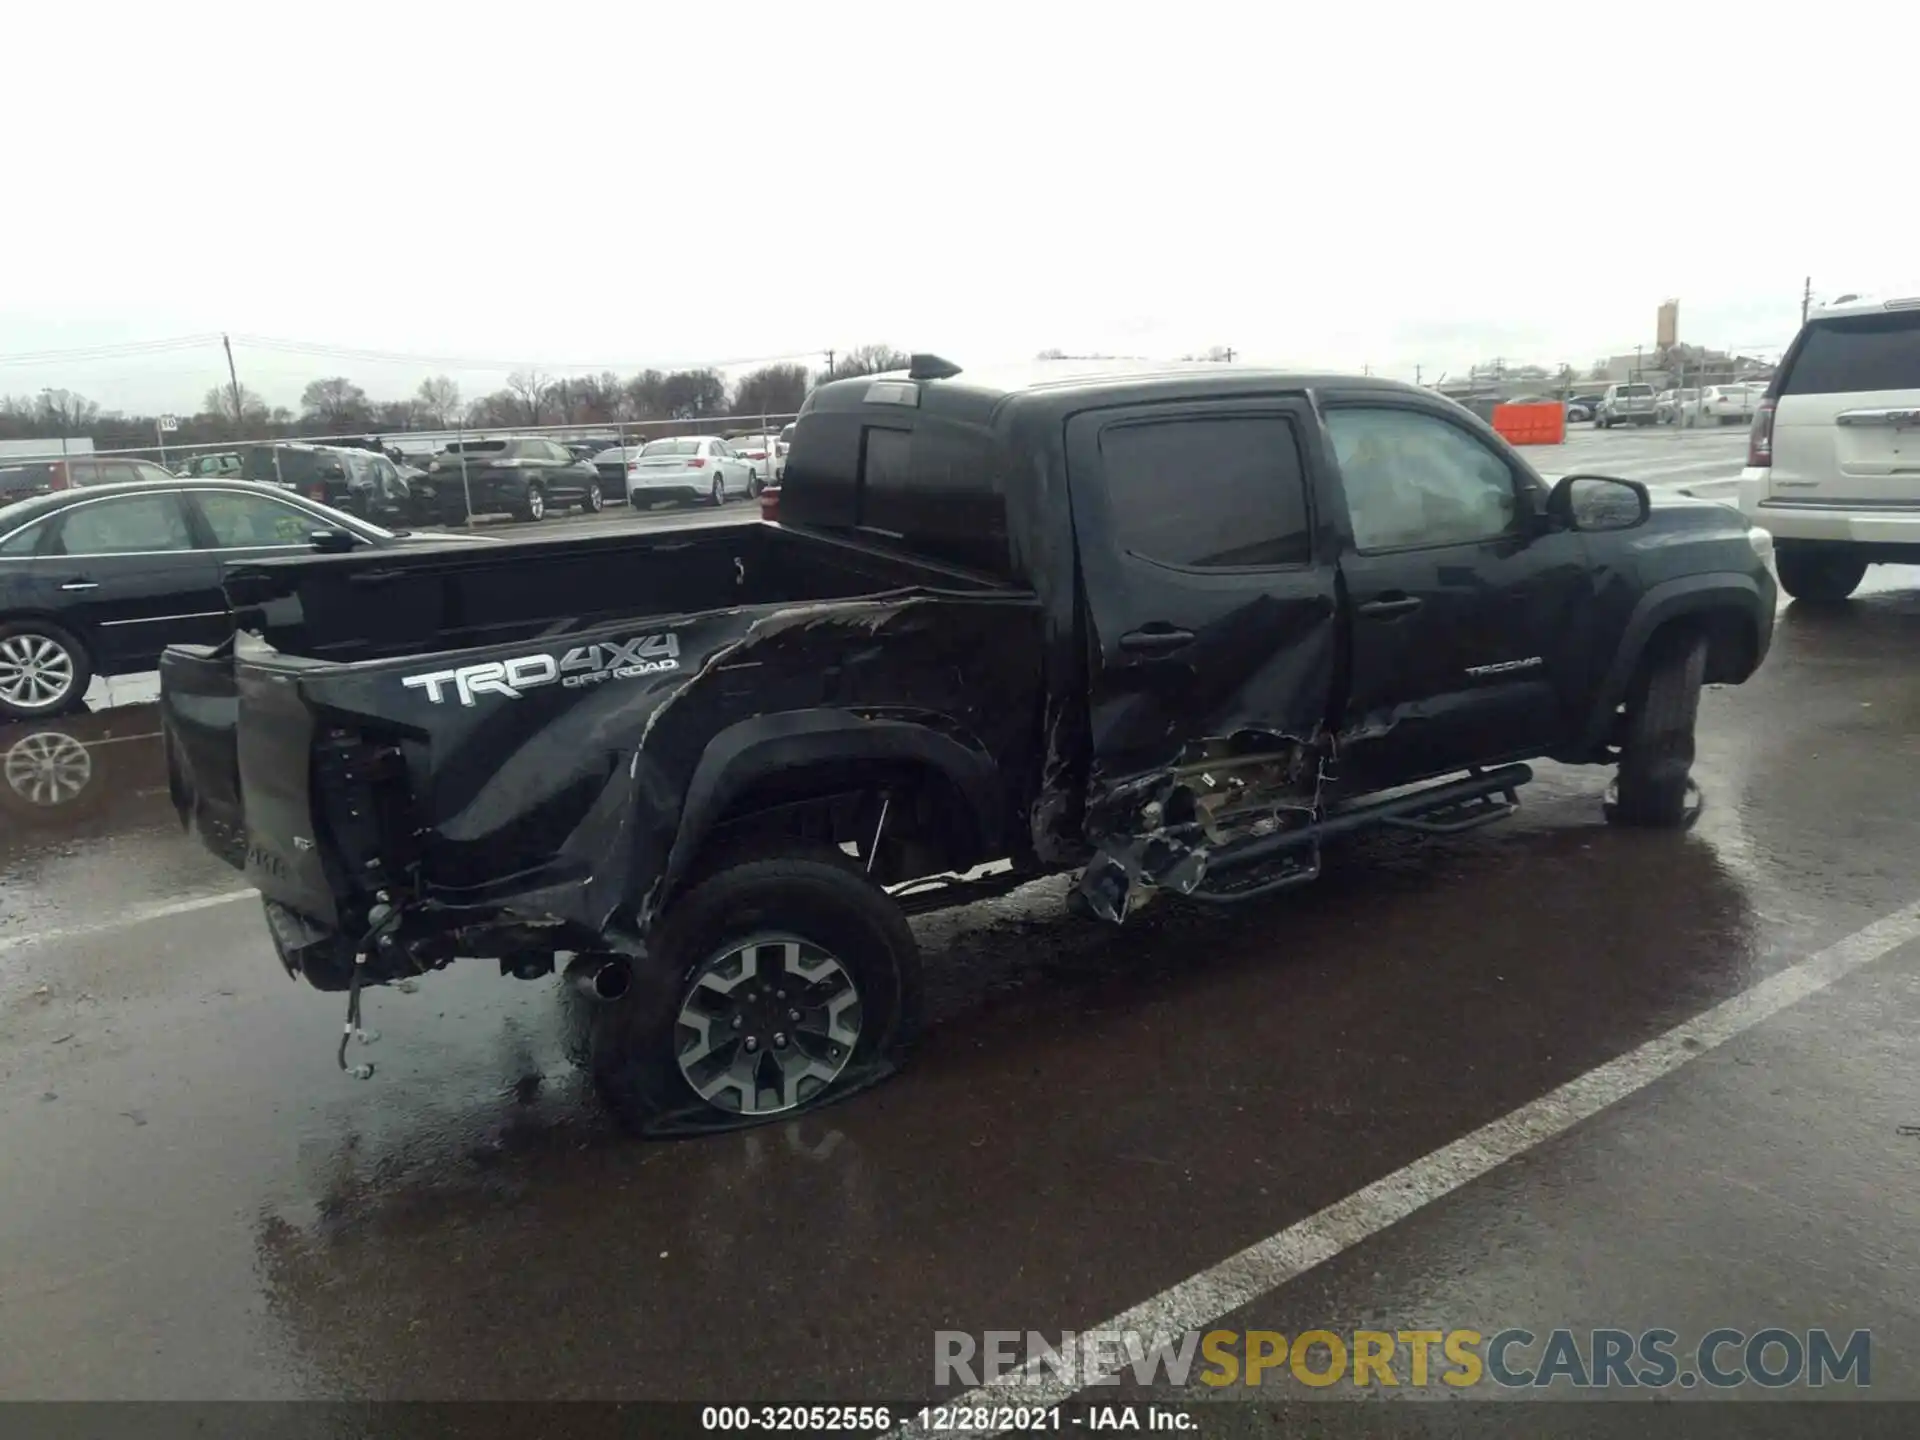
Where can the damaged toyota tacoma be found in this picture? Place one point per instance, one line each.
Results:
(1170, 631)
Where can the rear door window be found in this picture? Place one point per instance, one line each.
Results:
(1208, 492)
(129, 525)
(1857, 353)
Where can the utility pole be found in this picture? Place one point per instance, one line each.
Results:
(1229, 353)
(1806, 299)
(1416, 374)
(233, 376)
(829, 364)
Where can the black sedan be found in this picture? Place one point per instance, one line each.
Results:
(523, 476)
(99, 581)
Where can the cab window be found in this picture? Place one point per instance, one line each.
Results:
(1414, 480)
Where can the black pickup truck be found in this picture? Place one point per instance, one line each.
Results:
(1170, 630)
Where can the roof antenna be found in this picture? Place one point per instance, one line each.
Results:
(931, 367)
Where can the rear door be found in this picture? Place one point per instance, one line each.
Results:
(1211, 610)
(1465, 615)
(132, 580)
(565, 477)
(1846, 416)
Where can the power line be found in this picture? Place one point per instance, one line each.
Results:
(473, 362)
(114, 351)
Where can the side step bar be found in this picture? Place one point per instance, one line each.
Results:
(1447, 809)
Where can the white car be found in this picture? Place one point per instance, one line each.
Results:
(1833, 460)
(688, 467)
(1727, 404)
(765, 453)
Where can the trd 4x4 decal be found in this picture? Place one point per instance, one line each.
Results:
(581, 666)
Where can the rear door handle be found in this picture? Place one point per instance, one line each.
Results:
(1404, 605)
(1161, 637)
(80, 585)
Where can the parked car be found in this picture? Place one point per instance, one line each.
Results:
(762, 452)
(1728, 404)
(1626, 404)
(688, 467)
(18, 482)
(821, 725)
(98, 581)
(359, 480)
(1672, 407)
(524, 476)
(1582, 407)
(1833, 458)
(47, 477)
(222, 466)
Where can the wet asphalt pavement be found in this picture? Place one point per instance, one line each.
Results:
(195, 1203)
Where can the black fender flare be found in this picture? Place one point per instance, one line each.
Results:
(748, 751)
(1669, 600)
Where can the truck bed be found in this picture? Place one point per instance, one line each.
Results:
(387, 604)
(481, 725)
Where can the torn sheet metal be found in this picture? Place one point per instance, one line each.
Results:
(1160, 831)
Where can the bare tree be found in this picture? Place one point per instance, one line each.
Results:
(532, 390)
(69, 412)
(643, 397)
(771, 390)
(868, 360)
(692, 394)
(396, 414)
(218, 404)
(438, 399)
(496, 411)
(335, 405)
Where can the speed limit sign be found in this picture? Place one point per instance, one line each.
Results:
(169, 423)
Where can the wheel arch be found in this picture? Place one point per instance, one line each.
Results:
(786, 762)
(1726, 608)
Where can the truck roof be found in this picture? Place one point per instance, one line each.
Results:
(937, 385)
(933, 457)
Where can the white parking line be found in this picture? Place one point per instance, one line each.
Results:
(139, 916)
(1201, 1300)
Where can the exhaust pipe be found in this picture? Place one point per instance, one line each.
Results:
(601, 977)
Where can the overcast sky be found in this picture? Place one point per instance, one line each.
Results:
(620, 185)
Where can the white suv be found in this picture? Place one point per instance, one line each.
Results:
(1833, 461)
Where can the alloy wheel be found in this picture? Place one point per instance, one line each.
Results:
(36, 672)
(767, 1024)
(48, 769)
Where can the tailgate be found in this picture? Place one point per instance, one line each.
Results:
(199, 706)
(244, 790)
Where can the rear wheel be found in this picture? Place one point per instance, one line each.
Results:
(43, 669)
(1819, 574)
(596, 500)
(534, 507)
(1653, 787)
(784, 982)
(755, 485)
(719, 495)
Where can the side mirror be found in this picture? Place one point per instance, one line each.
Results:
(331, 542)
(1598, 503)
